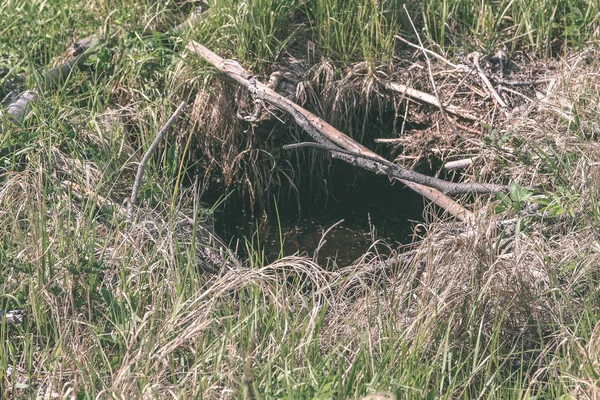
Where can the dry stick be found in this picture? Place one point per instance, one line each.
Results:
(489, 85)
(458, 164)
(523, 83)
(384, 167)
(318, 129)
(427, 98)
(142, 166)
(466, 68)
(469, 69)
(388, 140)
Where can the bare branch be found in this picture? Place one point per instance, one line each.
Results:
(142, 167)
(427, 98)
(384, 167)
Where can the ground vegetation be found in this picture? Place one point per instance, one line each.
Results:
(108, 296)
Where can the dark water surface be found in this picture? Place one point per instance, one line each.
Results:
(375, 211)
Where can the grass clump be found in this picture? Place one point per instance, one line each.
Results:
(347, 31)
(255, 31)
(520, 23)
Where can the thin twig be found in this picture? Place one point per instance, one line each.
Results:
(433, 54)
(523, 83)
(435, 90)
(469, 69)
(489, 85)
(142, 166)
(388, 140)
(530, 100)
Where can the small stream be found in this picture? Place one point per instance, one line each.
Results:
(377, 211)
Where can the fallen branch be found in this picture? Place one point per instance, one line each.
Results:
(319, 130)
(426, 97)
(475, 67)
(384, 167)
(142, 166)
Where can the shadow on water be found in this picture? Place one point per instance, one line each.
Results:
(373, 210)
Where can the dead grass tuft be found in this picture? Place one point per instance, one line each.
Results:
(214, 118)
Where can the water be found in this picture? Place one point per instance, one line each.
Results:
(378, 210)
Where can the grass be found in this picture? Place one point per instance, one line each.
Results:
(347, 31)
(134, 309)
(255, 31)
